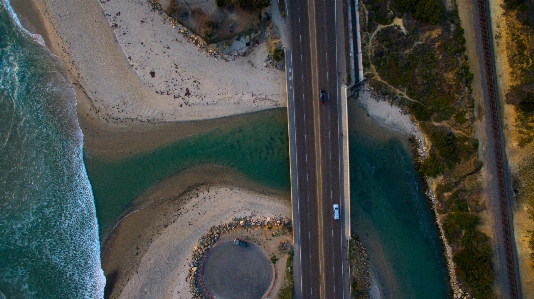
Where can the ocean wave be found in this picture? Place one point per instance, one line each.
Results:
(36, 37)
(50, 245)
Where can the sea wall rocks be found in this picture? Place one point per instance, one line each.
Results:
(206, 242)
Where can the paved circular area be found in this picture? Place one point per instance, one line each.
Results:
(232, 271)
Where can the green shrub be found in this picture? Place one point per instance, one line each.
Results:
(467, 147)
(460, 118)
(251, 4)
(445, 112)
(432, 166)
(473, 263)
(278, 54)
(457, 222)
(380, 10)
(446, 143)
(512, 4)
(428, 11)
(287, 291)
(402, 6)
(461, 205)
(419, 111)
(526, 104)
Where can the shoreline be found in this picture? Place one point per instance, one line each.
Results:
(371, 110)
(393, 118)
(183, 207)
(103, 125)
(388, 115)
(116, 89)
(150, 217)
(102, 130)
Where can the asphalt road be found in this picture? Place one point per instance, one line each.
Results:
(315, 141)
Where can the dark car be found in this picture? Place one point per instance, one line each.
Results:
(240, 243)
(323, 97)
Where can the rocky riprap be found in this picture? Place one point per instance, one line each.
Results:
(359, 266)
(269, 62)
(206, 242)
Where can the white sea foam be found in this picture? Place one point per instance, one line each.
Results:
(36, 37)
(55, 218)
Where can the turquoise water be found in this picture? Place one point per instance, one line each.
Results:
(49, 237)
(50, 246)
(390, 214)
(258, 149)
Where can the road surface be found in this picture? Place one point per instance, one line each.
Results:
(316, 156)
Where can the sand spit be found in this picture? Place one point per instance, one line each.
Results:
(164, 268)
(136, 68)
(149, 252)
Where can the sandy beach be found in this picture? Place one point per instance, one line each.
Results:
(389, 116)
(124, 110)
(121, 113)
(139, 69)
(148, 252)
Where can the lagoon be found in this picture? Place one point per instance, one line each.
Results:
(258, 149)
(389, 210)
(391, 214)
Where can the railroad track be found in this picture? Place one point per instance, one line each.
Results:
(499, 158)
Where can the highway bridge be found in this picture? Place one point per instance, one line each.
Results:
(315, 64)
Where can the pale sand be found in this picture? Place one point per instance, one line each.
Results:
(122, 90)
(115, 106)
(164, 267)
(389, 116)
(138, 259)
(149, 250)
(105, 133)
(113, 102)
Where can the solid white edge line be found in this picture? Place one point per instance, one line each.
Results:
(296, 169)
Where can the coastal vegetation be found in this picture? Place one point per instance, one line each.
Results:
(287, 291)
(218, 20)
(250, 4)
(519, 43)
(282, 7)
(414, 57)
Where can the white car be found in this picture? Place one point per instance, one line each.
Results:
(336, 211)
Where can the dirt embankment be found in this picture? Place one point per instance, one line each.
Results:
(514, 47)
